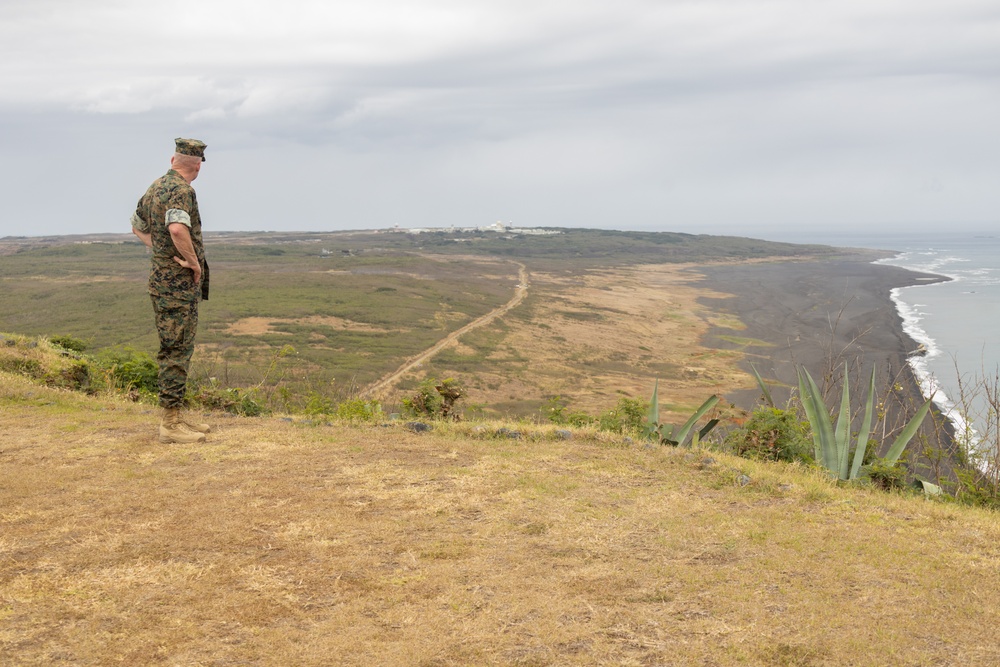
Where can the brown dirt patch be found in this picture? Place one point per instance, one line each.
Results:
(257, 326)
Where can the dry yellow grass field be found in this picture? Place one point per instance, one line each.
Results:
(593, 336)
(281, 543)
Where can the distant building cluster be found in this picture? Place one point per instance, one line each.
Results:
(497, 227)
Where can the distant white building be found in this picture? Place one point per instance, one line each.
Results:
(498, 227)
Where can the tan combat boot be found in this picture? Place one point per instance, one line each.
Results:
(172, 429)
(193, 426)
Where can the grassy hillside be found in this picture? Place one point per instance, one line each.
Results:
(279, 543)
(348, 317)
(327, 315)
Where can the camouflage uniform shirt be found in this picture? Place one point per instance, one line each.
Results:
(170, 199)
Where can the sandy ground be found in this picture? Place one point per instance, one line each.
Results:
(591, 338)
(825, 315)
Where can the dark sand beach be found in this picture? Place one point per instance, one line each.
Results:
(822, 314)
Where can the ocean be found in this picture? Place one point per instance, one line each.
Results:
(956, 321)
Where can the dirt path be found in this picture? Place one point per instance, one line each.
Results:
(381, 386)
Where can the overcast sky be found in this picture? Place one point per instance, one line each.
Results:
(716, 116)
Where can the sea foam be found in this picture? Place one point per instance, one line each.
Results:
(911, 315)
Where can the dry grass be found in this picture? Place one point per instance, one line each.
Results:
(278, 543)
(593, 336)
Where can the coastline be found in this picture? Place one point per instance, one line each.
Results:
(927, 366)
(823, 314)
(925, 378)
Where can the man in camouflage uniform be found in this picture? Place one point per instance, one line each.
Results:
(167, 220)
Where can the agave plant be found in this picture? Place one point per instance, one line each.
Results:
(763, 387)
(669, 434)
(832, 441)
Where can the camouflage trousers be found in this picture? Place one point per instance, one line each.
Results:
(176, 323)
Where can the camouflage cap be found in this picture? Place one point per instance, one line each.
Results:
(190, 147)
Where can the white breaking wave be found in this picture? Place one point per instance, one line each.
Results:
(930, 386)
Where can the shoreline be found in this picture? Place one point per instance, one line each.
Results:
(827, 314)
(963, 430)
(926, 380)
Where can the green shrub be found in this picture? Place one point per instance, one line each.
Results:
(628, 415)
(885, 476)
(358, 409)
(235, 401)
(556, 411)
(30, 367)
(319, 405)
(433, 399)
(771, 434)
(68, 343)
(129, 369)
(975, 488)
(75, 375)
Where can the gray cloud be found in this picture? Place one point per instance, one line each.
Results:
(720, 116)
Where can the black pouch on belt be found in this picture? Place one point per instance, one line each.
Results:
(204, 281)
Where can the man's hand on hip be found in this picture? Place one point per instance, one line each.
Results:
(182, 241)
(196, 267)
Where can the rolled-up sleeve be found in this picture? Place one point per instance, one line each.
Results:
(178, 215)
(139, 224)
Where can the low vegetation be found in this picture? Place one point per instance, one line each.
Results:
(766, 433)
(771, 434)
